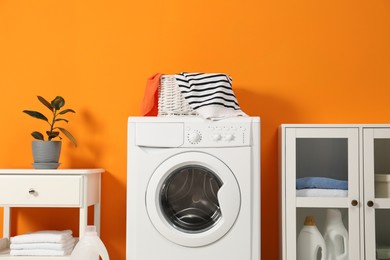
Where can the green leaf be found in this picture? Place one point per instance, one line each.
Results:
(52, 135)
(62, 119)
(37, 135)
(58, 102)
(69, 135)
(45, 102)
(66, 111)
(35, 114)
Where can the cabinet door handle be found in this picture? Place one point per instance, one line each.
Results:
(31, 191)
(370, 203)
(354, 203)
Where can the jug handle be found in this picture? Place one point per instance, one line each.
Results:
(343, 255)
(345, 247)
(103, 252)
(324, 253)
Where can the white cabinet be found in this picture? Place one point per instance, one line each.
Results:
(76, 188)
(358, 154)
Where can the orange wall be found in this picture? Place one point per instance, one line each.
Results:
(291, 61)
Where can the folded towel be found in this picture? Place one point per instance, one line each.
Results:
(209, 94)
(321, 183)
(39, 252)
(149, 105)
(50, 236)
(67, 244)
(321, 193)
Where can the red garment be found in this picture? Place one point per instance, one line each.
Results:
(149, 105)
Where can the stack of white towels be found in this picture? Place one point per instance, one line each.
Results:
(43, 243)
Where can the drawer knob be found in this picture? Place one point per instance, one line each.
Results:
(31, 191)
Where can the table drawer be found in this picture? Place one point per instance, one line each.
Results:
(40, 191)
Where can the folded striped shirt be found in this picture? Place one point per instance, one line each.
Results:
(209, 94)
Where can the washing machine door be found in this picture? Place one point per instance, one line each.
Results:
(193, 199)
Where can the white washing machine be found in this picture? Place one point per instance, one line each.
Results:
(193, 189)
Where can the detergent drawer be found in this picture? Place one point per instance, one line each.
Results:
(159, 134)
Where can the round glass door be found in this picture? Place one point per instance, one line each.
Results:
(193, 199)
(189, 198)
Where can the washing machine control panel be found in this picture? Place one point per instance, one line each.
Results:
(217, 134)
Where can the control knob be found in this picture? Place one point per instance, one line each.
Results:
(228, 137)
(217, 137)
(194, 137)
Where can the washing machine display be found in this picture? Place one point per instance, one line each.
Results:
(189, 199)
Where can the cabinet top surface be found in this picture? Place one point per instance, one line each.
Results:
(51, 171)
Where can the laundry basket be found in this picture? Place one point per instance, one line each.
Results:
(170, 100)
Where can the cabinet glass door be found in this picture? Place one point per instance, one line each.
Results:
(322, 171)
(377, 192)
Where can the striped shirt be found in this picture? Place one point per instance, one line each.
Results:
(207, 89)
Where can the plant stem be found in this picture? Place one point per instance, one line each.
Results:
(52, 124)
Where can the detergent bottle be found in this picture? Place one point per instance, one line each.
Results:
(336, 235)
(90, 247)
(310, 241)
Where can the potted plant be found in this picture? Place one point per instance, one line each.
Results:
(46, 153)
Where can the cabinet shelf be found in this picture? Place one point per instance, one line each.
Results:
(318, 202)
(383, 203)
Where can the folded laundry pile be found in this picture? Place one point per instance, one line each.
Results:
(321, 187)
(43, 243)
(210, 95)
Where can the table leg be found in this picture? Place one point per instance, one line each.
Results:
(97, 217)
(83, 220)
(7, 222)
(6, 226)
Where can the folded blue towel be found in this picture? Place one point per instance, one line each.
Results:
(321, 183)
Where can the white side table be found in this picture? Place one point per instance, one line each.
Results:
(68, 188)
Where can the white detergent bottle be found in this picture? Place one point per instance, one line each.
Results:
(310, 241)
(90, 247)
(336, 235)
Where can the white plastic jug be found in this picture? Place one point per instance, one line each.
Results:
(310, 241)
(90, 247)
(336, 235)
